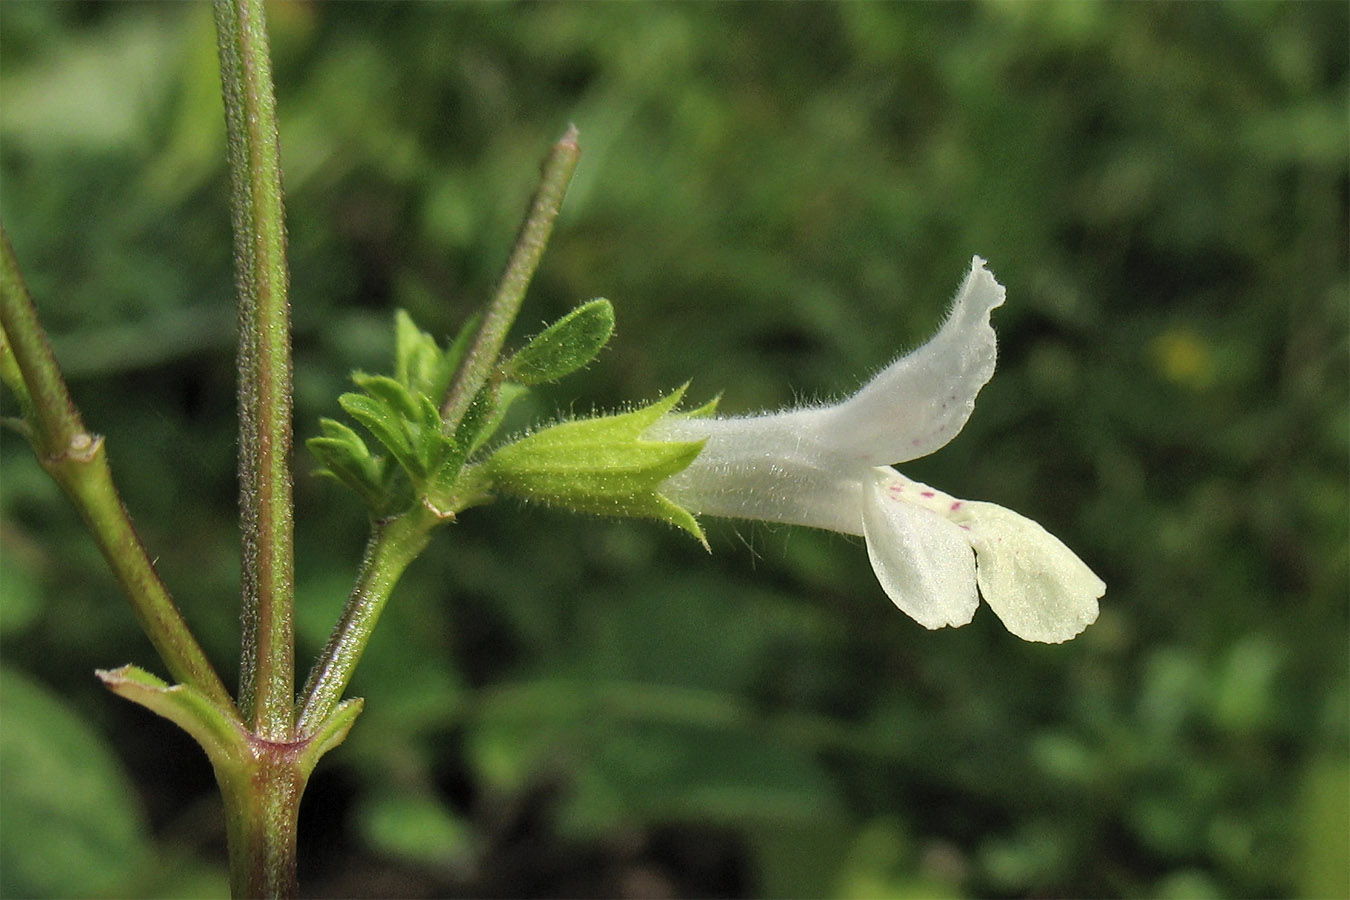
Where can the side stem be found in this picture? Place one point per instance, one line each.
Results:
(476, 369)
(267, 682)
(393, 546)
(78, 462)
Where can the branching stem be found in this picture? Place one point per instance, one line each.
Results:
(395, 543)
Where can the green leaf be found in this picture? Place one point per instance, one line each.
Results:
(419, 364)
(433, 445)
(388, 391)
(600, 465)
(408, 424)
(403, 414)
(346, 458)
(216, 730)
(331, 732)
(386, 425)
(565, 346)
(417, 359)
(69, 823)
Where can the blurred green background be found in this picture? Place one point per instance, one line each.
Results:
(778, 198)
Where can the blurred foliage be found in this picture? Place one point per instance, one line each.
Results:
(778, 198)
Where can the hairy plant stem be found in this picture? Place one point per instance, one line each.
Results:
(477, 367)
(261, 787)
(77, 461)
(267, 682)
(393, 545)
(262, 808)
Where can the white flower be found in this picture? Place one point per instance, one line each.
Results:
(829, 467)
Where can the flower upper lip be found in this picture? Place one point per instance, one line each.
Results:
(788, 464)
(918, 403)
(828, 467)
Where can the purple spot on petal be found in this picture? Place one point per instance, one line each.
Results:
(928, 494)
(956, 505)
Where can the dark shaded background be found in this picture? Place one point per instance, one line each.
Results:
(778, 198)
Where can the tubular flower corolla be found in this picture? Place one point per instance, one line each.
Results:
(830, 467)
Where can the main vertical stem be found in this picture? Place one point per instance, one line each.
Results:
(262, 790)
(267, 682)
(262, 807)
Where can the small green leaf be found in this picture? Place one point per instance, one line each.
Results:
(345, 457)
(394, 395)
(417, 359)
(219, 733)
(565, 346)
(386, 425)
(403, 415)
(335, 430)
(434, 447)
(332, 731)
(408, 424)
(419, 363)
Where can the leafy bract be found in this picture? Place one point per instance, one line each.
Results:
(346, 457)
(565, 346)
(402, 414)
(420, 364)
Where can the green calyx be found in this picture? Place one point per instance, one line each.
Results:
(601, 465)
